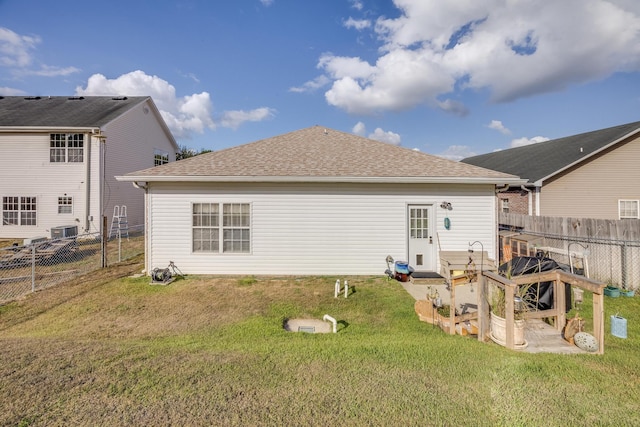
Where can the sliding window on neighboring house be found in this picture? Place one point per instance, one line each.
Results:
(221, 227)
(18, 210)
(66, 148)
(628, 209)
(65, 205)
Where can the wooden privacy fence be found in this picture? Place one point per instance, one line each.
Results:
(576, 228)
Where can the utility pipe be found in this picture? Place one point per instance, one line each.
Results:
(346, 289)
(337, 289)
(332, 320)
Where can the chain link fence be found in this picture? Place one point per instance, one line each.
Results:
(48, 262)
(614, 262)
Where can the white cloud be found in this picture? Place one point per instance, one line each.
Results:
(8, 91)
(457, 152)
(311, 85)
(453, 107)
(378, 134)
(359, 129)
(184, 115)
(388, 137)
(15, 50)
(51, 71)
(520, 142)
(358, 24)
(16, 54)
(266, 3)
(400, 80)
(233, 119)
(497, 125)
(513, 49)
(356, 4)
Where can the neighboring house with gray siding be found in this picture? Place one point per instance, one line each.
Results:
(59, 155)
(314, 201)
(590, 175)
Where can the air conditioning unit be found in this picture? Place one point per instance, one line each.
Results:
(34, 240)
(64, 232)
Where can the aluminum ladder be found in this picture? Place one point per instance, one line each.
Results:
(119, 223)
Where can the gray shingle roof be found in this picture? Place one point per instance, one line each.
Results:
(62, 111)
(317, 154)
(537, 161)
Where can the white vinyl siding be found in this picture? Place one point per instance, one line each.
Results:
(315, 228)
(132, 140)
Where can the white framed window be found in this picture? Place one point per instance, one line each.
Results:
(628, 209)
(65, 205)
(66, 148)
(504, 205)
(18, 210)
(221, 227)
(160, 157)
(236, 230)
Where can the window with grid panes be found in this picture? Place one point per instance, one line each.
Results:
(18, 210)
(66, 148)
(221, 227)
(628, 209)
(65, 205)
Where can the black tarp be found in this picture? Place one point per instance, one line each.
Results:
(538, 296)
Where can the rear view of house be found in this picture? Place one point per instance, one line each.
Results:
(59, 155)
(315, 201)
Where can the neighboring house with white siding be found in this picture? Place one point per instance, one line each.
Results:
(314, 201)
(590, 175)
(59, 156)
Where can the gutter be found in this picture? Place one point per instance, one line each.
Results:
(325, 179)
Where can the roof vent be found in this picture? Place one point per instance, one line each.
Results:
(119, 98)
(581, 149)
(30, 98)
(75, 98)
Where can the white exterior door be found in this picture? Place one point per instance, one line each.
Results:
(421, 228)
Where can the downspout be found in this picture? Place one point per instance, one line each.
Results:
(496, 225)
(147, 244)
(87, 185)
(529, 199)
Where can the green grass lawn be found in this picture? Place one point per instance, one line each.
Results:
(212, 351)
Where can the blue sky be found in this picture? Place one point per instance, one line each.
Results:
(448, 77)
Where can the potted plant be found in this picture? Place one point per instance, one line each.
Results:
(498, 317)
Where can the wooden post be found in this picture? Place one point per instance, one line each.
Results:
(598, 320)
(510, 320)
(483, 309)
(560, 301)
(452, 309)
